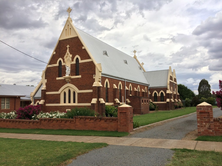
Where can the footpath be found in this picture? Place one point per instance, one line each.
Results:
(125, 141)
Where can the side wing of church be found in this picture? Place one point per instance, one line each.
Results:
(86, 72)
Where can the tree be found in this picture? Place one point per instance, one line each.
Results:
(204, 89)
(185, 92)
(218, 95)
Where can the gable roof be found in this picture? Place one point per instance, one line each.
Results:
(157, 78)
(16, 90)
(114, 63)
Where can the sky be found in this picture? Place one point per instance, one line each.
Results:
(186, 35)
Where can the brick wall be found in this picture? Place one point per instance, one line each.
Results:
(14, 104)
(206, 124)
(124, 122)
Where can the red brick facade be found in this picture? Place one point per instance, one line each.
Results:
(14, 104)
(206, 124)
(87, 95)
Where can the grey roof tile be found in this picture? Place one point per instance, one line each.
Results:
(113, 64)
(157, 78)
(16, 90)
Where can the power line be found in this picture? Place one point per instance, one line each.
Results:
(22, 52)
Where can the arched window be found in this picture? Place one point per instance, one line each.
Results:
(74, 97)
(64, 97)
(161, 96)
(60, 69)
(155, 96)
(69, 96)
(130, 90)
(120, 93)
(77, 66)
(107, 92)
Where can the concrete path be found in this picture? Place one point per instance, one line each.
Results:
(125, 141)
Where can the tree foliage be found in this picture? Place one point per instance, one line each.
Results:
(218, 95)
(185, 92)
(204, 89)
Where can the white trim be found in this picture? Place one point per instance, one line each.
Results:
(163, 93)
(120, 83)
(67, 104)
(78, 76)
(62, 78)
(105, 83)
(79, 91)
(109, 103)
(80, 61)
(159, 102)
(155, 92)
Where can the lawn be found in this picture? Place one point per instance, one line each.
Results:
(209, 138)
(185, 157)
(66, 132)
(162, 115)
(36, 152)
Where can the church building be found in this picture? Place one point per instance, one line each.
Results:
(86, 72)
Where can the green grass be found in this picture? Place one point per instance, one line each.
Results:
(36, 152)
(66, 132)
(210, 138)
(185, 157)
(162, 115)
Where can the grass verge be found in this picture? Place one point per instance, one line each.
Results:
(185, 157)
(36, 152)
(209, 138)
(66, 132)
(162, 115)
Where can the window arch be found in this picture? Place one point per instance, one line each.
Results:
(161, 96)
(107, 92)
(60, 69)
(68, 96)
(130, 89)
(77, 66)
(155, 96)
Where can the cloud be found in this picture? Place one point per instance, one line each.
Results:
(16, 16)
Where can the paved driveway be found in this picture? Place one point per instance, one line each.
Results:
(127, 156)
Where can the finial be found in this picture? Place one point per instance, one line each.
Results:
(134, 52)
(69, 11)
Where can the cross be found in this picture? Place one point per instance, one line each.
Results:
(69, 11)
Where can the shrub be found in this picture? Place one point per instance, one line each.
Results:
(152, 106)
(176, 105)
(187, 102)
(203, 99)
(28, 112)
(79, 112)
(180, 104)
(195, 101)
(111, 111)
(10, 115)
(211, 100)
(53, 114)
(136, 124)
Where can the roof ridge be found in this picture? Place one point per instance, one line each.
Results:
(156, 70)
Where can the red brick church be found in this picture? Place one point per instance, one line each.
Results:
(86, 72)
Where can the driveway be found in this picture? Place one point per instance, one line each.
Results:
(129, 155)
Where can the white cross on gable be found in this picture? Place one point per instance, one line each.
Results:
(69, 11)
